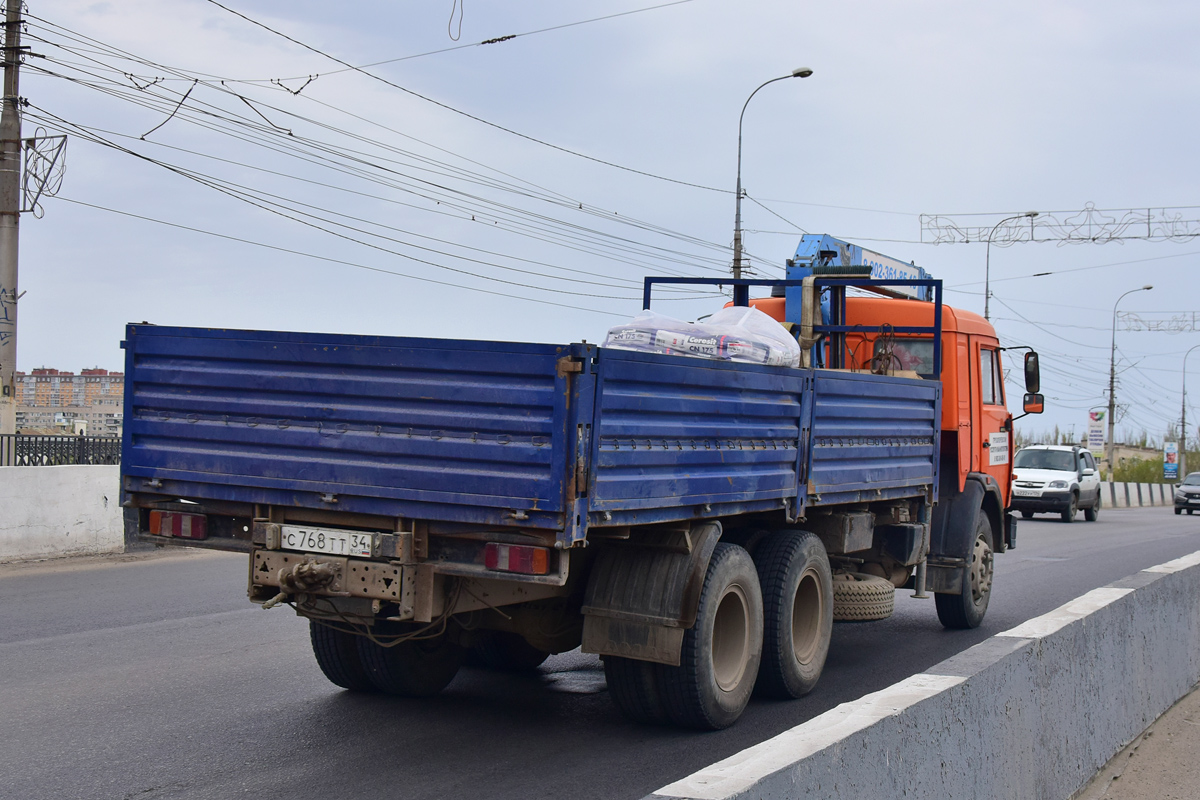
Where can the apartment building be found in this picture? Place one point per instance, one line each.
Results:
(56, 401)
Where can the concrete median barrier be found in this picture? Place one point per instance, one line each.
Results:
(47, 512)
(1031, 713)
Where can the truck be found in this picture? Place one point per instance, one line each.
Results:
(697, 523)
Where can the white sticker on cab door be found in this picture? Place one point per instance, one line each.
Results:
(997, 448)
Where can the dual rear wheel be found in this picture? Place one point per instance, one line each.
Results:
(763, 624)
(413, 668)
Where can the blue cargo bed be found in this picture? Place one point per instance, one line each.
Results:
(556, 437)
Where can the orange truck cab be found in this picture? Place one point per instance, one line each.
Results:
(971, 518)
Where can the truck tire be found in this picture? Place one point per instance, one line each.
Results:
(966, 610)
(1027, 515)
(633, 686)
(797, 591)
(337, 656)
(1068, 514)
(505, 652)
(721, 651)
(415, 668)
(1093, 513)
(859, 597)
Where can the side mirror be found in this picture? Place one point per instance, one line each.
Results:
(1088, 471)
(1033, 377)
(1033, 403)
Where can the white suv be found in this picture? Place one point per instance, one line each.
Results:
(1058, 479)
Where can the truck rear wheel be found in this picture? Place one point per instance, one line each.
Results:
(721, 652)
(966, 610)
(504, 651)
(797, 591)
(337, 656)
(414, 668)
(633, 686)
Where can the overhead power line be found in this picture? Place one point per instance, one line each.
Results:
(327, 259)
(460, 112)
(490, 41)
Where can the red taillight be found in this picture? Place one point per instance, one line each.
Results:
(517, 558)
(178, 523)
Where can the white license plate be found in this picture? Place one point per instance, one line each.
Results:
(1027, 492)
(326, 540)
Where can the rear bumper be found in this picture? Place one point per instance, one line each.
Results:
(1049, 501)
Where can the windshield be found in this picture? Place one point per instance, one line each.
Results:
(1061, 460)
(1192, 479)
(906, 354)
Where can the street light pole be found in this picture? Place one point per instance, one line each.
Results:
(1112, 381)
(987, 269)
(801, 72)
(1183, 419)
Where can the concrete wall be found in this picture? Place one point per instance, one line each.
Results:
(59, 511)
(1133, 495)
(1030, 713)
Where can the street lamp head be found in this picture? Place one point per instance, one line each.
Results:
(1031, 214)
(1147, 288)
(801, 72)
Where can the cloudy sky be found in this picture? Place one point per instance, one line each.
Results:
(520, 189)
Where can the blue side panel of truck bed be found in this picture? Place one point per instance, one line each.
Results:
(557, 437)
(873, 437)
(355, 423)
(678, 437)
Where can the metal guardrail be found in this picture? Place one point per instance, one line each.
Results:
(20, 450)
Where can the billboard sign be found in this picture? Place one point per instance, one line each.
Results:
(1095, 436)
(1170, 461)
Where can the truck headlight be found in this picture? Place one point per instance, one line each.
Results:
(1057, 485)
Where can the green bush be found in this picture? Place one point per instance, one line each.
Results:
(1150, 470)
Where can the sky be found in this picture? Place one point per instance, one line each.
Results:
(520, 190)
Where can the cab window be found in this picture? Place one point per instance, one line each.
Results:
(991, 380)
(905, 354)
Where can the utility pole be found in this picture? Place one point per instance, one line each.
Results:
(10, 214)
(1112, 383)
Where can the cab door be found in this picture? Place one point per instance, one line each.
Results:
(993, 442)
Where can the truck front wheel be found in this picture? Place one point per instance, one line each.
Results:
(721, 652)
(337, 656)
(413, 668)
(966, 610)
(797, 590)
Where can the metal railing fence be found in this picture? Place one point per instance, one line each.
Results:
(22, 450)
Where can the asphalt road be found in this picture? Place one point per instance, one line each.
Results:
(153, 677)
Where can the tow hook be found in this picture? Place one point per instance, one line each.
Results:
(307, 576)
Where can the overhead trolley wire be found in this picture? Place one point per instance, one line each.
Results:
(606, 215)
(258, 128)
(468, 115)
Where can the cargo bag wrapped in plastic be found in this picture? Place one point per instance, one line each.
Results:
(735, 333)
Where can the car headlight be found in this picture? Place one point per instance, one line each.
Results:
(1058, 484)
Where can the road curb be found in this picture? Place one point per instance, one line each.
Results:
(1032, 712)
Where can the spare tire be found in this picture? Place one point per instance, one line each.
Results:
(859, 597)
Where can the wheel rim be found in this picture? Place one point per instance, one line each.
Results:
(731, 638)
(980, 574)
(808, 609)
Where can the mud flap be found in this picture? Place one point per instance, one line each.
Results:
(952, 534)
(643, 594)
